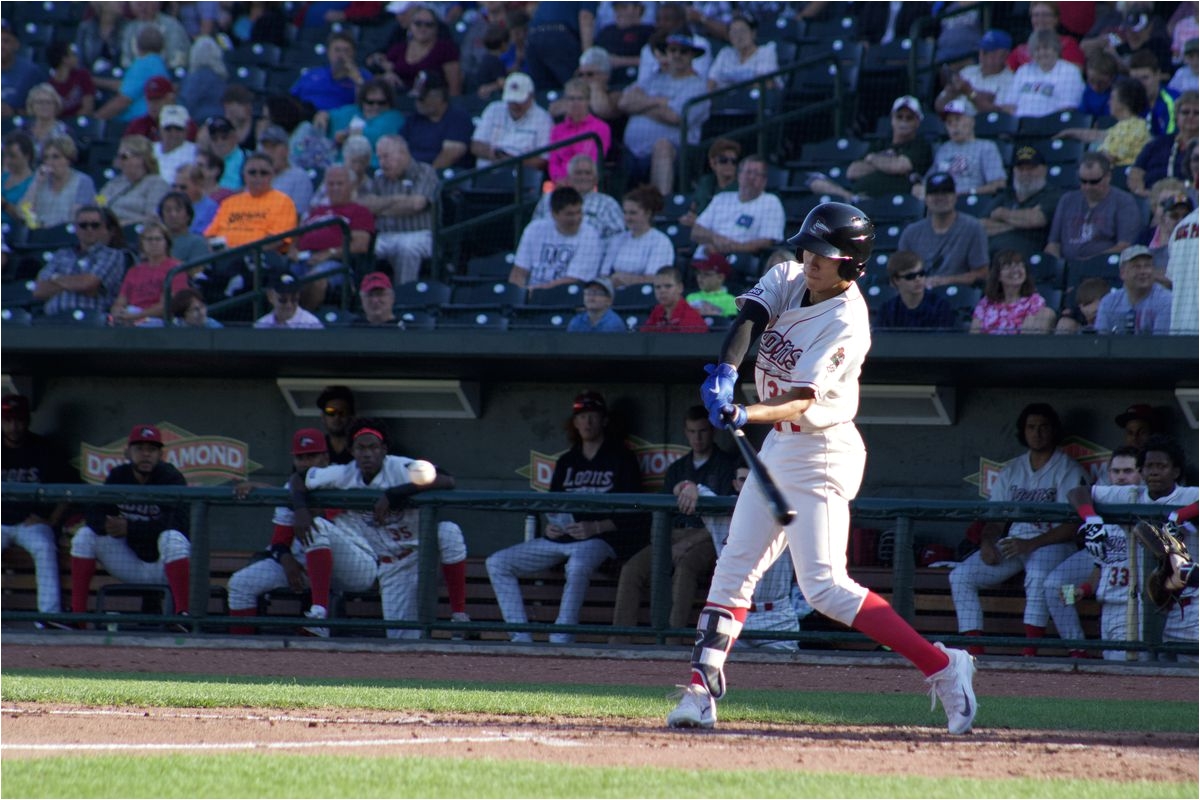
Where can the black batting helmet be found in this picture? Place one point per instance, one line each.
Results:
(841, 231)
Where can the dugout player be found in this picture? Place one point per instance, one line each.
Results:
(136, 542)
(810, 321)
(1161, 463)
(288, 563)
(379, 544)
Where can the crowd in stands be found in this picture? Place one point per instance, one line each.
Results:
(1062, 138)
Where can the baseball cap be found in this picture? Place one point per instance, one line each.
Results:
(173, 116)
(157, 87)
(218, 125)
(375, 280)
(959, 105)
(1135, 411)
(15, 406)
(589, 401)
(995, 40)
(685, 41)
(428, 80)
(909, 102)
(713, 262)
(517, 88)
(940, 182)
(1028, 155)
(1174, 199)
(603, 283)
(148, 434)
(308, 440)
(1135, 251)
(273, 135)
(285, 283)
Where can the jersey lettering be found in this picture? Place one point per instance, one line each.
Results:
(598, 481)
(777, 350)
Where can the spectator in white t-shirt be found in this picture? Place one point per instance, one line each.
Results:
(636, 255)
(980, 84)
(558, 250)
(514, 125)
(1046, 84)
(746, 222)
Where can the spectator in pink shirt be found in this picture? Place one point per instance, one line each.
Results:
(579, 119)
(141, 295)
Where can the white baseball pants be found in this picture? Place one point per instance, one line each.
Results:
(1074, 570)
(819, 473)
(972, 575)
(1112, 626)
(526, 558)
(37, 539)
(114, 554)
(771, 604)
(404, 252)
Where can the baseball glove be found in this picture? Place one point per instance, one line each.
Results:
(1164, 586)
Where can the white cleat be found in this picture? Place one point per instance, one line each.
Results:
(315, 613)
(953, 687)
(696, 709)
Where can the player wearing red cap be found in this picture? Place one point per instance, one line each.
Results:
(135, 542)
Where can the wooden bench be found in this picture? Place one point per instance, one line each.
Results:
(934, 609)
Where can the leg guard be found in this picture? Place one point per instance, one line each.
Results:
(716, 631)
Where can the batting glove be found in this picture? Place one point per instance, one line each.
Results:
(717, 389)
(732, 416)
(1094, 536)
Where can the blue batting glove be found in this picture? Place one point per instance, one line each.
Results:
(733, 416)
(717, 389)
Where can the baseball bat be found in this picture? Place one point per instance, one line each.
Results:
(779, 508)
(1132, 618)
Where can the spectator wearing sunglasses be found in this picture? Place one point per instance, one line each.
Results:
(913, 305)
(257, 212)
(1095, 219)
(372, 116)
(952, 245)
(86, 276)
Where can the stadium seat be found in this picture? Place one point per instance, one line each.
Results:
(539, 319)
(475, 319)
(78, 318)
(417, 320)
(996, 125)
(976, 205)
(1062, 151)
(20, 317)
(1046, 269)
(334, 317)
(901, 208)
(962, 299)
(422, 294)
(1105, 266)
(495, 294)
(566, 295)
(1045, 127)
(634, 297)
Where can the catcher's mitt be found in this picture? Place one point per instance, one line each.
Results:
(1164, 585)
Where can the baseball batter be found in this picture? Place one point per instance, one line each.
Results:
(379, 544)
(135, 542)
(1044, 474)
(1100, 571)
(813, 334)
(1161, 463)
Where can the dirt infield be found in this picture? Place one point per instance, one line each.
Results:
(37, 729)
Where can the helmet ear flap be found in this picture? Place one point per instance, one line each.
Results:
(849, 271)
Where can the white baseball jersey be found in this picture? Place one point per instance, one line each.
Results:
(819, 347)
(398, 535)
(1018, 482)
(1183, 255)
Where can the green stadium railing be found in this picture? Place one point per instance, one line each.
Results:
(901, 512)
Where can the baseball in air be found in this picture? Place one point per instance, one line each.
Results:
(421, 473)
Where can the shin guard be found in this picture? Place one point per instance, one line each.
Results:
(716, 631)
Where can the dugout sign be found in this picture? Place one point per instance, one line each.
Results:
(653, 458)
(204, 459)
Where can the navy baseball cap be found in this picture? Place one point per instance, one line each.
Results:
(940, 182)
(589, 401)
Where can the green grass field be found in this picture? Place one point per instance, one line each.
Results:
(319, 775)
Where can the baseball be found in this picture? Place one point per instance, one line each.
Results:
(421, 473)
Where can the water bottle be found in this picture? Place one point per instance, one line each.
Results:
(530, 527)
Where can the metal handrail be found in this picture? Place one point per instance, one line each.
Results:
(762, 123)
(662, 507)
(440, 231)
(257, 246)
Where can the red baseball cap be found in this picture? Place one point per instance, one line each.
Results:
(145, 433)
(157, 87)
(308, 440)
(713, 262)
(375, 280)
